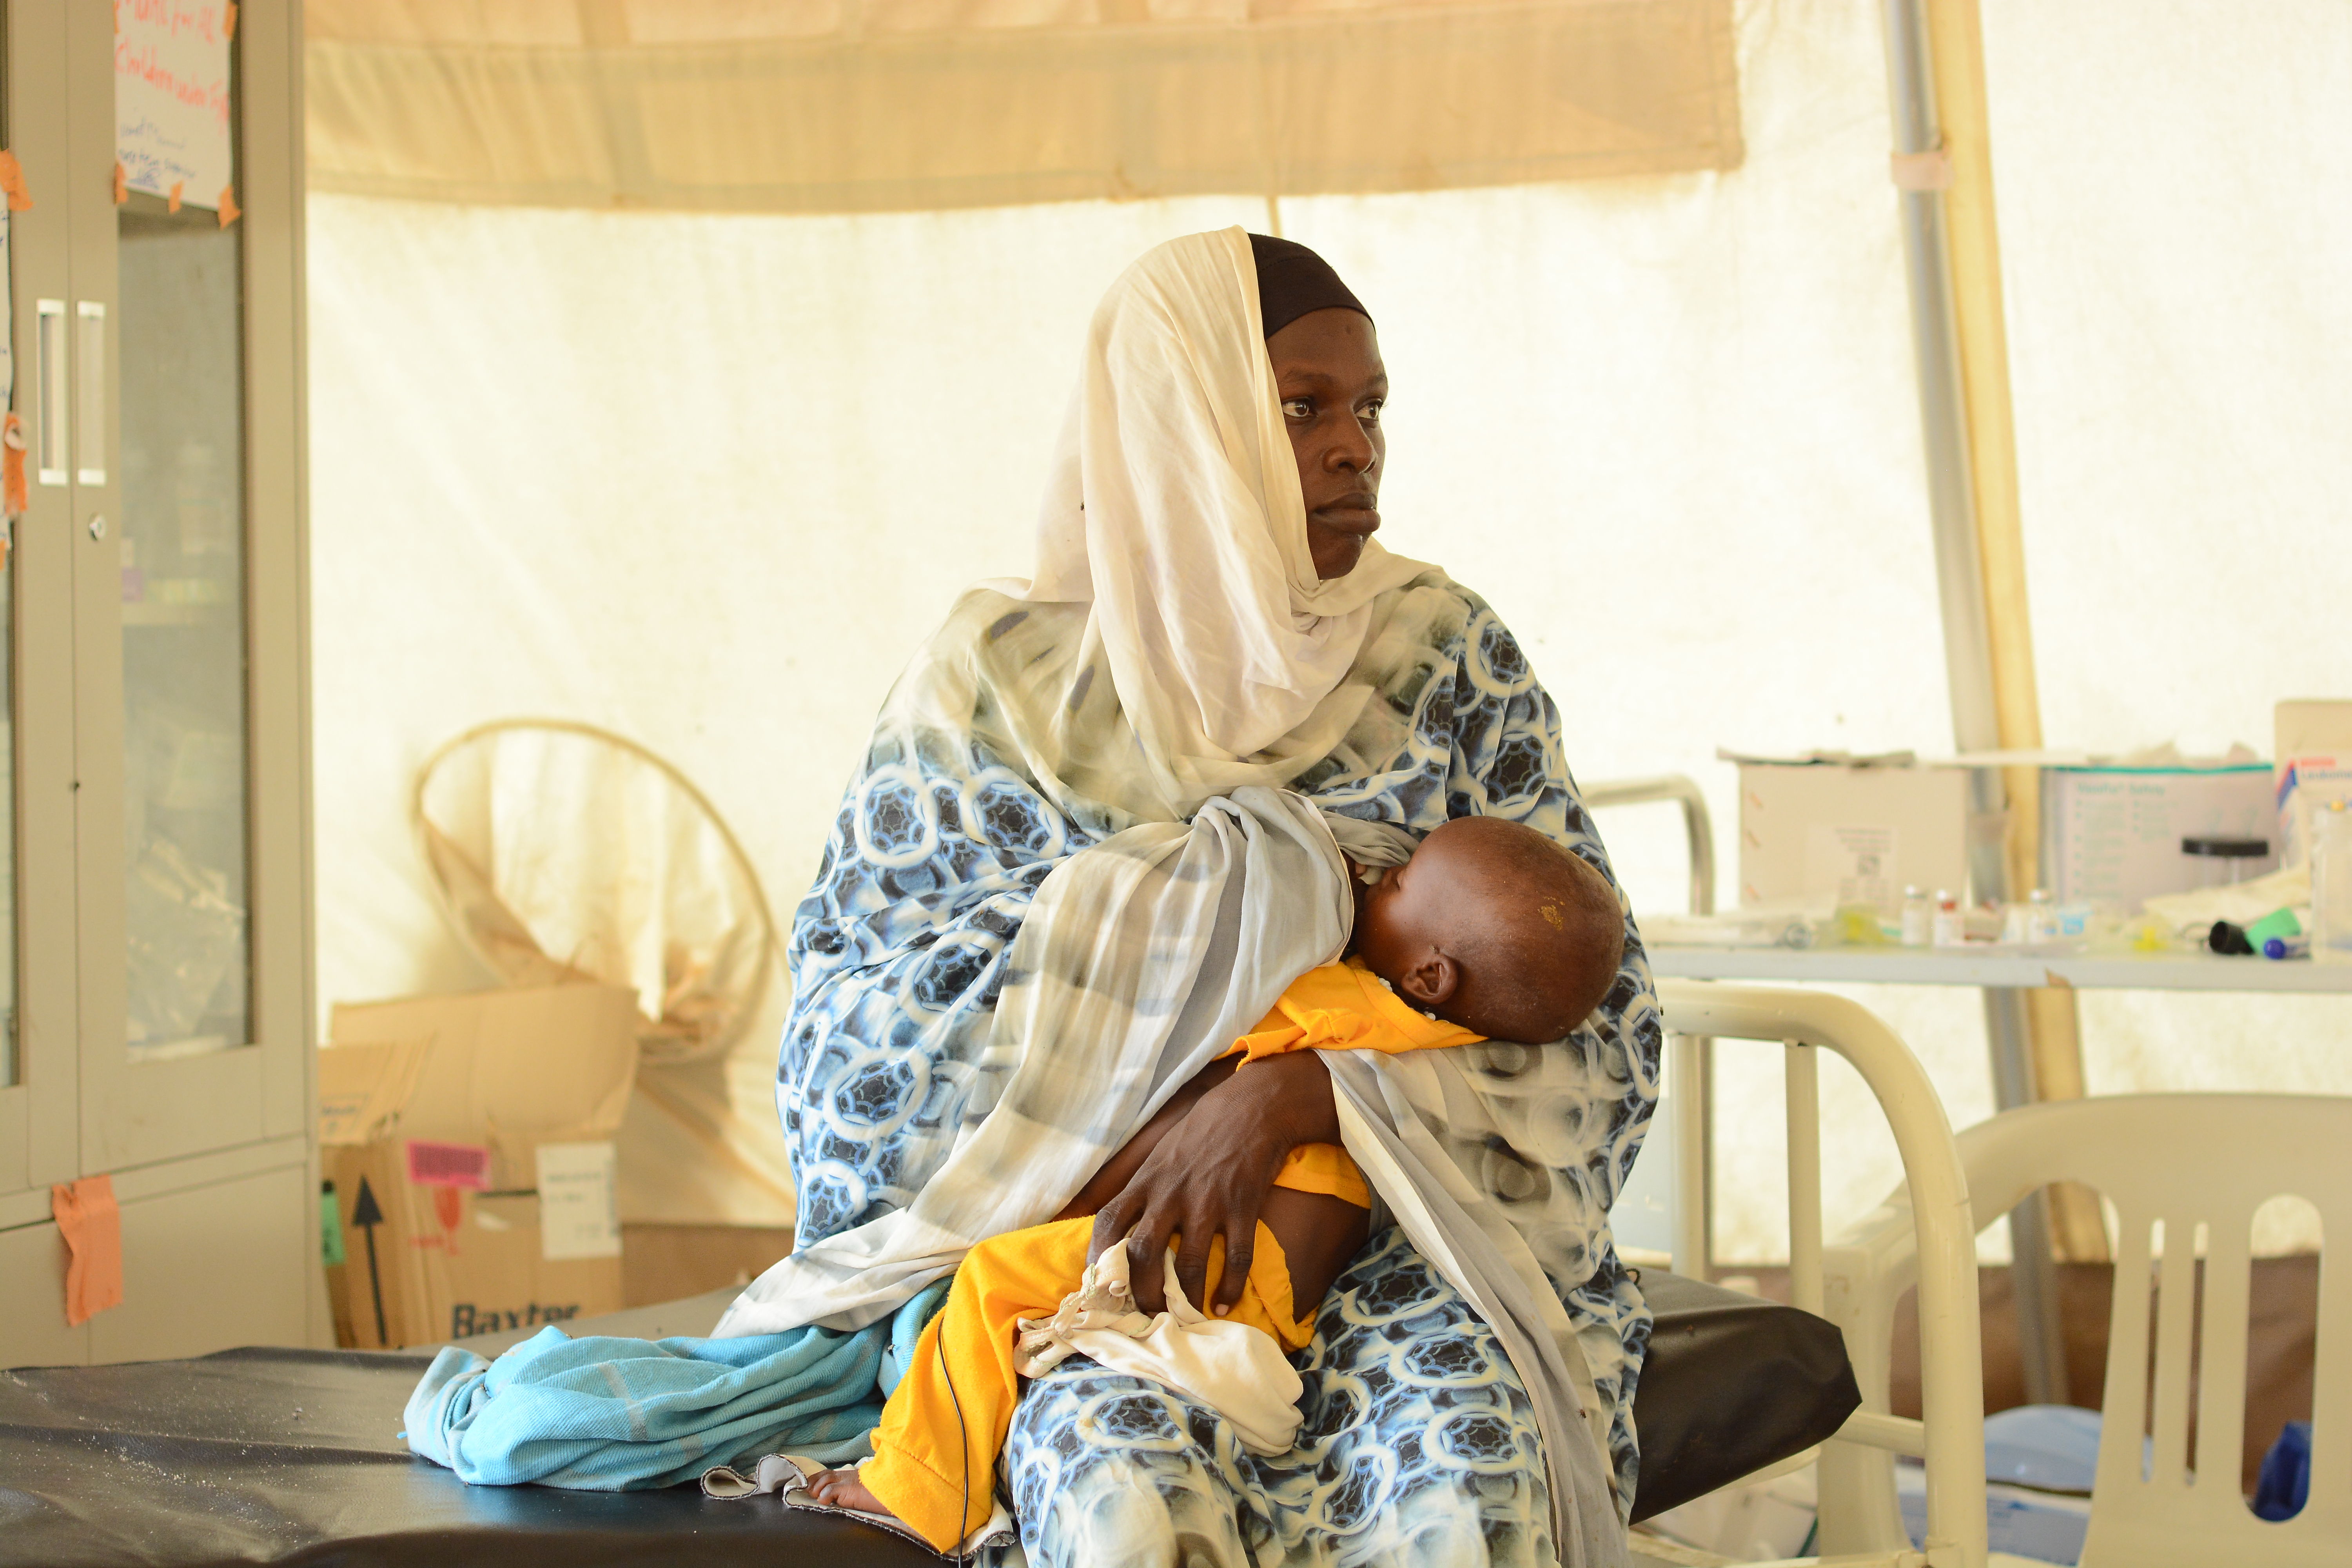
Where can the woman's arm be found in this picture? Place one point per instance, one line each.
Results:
(1210, 1172)
(1121, 1168)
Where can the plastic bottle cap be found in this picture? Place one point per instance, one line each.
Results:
(2274, 926)
(2217, 847)
(2227, 938)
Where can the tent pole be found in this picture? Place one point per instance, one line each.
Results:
(2053, 1028)
(1923, 175)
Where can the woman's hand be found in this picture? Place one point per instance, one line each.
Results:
(1120, 1169)
(1210, 1172)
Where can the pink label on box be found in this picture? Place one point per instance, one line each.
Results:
(450, 1165)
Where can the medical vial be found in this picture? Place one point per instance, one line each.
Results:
(1918, 919)
(2040, 916)
(1951, 928)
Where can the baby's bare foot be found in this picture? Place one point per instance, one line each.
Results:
(842, 1488)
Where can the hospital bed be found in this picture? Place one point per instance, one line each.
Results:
(290, 1456)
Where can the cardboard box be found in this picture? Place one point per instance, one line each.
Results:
(2112, 834)
(469, 1141)
(2312, 765)
(1834, 833)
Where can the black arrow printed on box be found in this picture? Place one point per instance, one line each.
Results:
(365, 1216)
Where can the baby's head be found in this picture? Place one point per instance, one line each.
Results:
(1496, 928)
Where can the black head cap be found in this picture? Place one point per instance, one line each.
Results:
(1293, 280)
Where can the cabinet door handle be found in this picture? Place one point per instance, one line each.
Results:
(90, 404)
(49, 439)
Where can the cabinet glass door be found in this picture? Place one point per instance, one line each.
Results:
(10, 1072)
(184, 633)
(11, 1069)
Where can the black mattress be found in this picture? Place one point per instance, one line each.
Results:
(288, 1456)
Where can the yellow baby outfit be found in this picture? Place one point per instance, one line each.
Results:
(1341, 1007)
(935, 1453)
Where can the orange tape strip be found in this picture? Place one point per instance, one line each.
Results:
(177, 186)
(93, 1228)
(230, 211)
(121, 185)
(12, 180)
(15, 498)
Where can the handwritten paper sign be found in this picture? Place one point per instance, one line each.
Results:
(170, 98)
(579, 1213)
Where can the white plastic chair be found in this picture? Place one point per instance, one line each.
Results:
(1940, 1248)
(2198, 1165)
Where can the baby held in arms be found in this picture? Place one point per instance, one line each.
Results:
(1490, 930)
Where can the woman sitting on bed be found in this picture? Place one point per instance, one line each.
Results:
(1021, 867)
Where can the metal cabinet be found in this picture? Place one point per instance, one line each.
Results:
(154, 893)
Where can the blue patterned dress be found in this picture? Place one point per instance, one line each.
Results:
(1419, 1445)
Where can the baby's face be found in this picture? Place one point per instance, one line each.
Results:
(1400, 909)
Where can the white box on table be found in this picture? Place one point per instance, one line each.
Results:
(2112, 835)
(2313, 763)
(1839, 833)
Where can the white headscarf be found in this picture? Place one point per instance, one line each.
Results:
(1174, 514)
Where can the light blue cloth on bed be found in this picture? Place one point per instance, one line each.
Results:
(601, 1413)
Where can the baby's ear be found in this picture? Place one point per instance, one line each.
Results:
(1431, 982)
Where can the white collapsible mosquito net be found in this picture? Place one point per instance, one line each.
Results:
(564, 853)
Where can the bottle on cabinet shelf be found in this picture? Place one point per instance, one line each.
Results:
(1951, 926)
(1918, 919)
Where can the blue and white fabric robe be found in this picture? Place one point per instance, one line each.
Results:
(998, 757)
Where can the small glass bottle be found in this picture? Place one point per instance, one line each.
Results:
(1951, 928)
(2041, 916)
(2331, 882)
(1918, 919)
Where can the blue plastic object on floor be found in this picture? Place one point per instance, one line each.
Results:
(2050, 1447)
(2285, 1478)
(2040, 1462)
(2041, 1527)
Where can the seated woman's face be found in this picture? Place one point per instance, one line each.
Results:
(1328, 372)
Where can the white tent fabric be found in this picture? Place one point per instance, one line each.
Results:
(2174, 253)
(823, 106)
(562, 459)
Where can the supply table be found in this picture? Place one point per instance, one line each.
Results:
(1986, 966)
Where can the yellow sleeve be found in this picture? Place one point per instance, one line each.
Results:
(1275, 1034)
(1345, 1006)
(1324, 1168)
